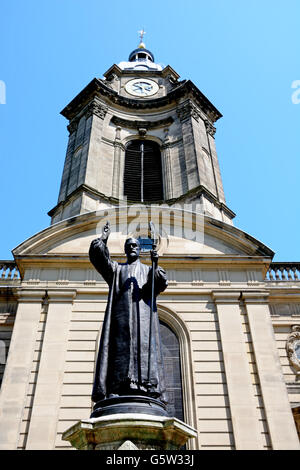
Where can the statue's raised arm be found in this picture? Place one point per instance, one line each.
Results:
(99, 255)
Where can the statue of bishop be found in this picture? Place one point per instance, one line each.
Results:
(130, 353)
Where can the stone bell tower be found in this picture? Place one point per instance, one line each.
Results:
(143, 134)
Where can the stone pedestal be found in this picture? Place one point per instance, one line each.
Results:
(129, 431)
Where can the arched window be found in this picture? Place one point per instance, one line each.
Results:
(142, 174)
(170, 351)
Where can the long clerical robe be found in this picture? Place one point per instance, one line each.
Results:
(123, 359)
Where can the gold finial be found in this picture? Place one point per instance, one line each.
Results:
(142, 34)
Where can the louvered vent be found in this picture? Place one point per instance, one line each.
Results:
(143, 175)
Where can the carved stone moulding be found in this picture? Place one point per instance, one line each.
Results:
(92, 108)
(188, 110)
(293, 348)
(211, 130)
(72, 127)
(129, 431)
(96, 108)
(130, 124)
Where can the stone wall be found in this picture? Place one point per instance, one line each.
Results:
(225, 394)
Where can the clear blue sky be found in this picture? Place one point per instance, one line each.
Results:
(244, 56)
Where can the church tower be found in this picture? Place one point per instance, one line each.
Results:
(141, 134)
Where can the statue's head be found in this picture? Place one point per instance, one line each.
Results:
(132, 249)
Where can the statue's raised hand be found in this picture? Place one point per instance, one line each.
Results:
(106, 231)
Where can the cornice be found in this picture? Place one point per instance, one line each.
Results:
(116, 70)
(195, 192)
(97, 87)
(86, 189)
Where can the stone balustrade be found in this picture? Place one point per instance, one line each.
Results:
(8, 271)
(289, 271)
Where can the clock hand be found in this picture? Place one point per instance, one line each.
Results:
(146, 86)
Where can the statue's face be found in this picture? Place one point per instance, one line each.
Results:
(132, 249)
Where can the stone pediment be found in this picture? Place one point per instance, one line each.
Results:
(184, 234)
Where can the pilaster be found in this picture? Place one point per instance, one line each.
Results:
(279, 416)
(45, 409)
(98, 171)
(117, 184)
(210, 133)
(245, 420)
(18, 367)
(167, 171)
(185, 113)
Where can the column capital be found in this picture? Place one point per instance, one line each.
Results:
(226, 297)
(61, 295)
(166, 145)
(96, 108)
(255, 297)
(72, 127)
(118, 144)
(187, 110)
(210, 128)
(31, 295)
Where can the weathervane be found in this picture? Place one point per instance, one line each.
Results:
(142, 33)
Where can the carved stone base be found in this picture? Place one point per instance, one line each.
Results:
(129, 431)
(129, 404)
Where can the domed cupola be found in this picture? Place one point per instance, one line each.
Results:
(140, 58)
(141, 53)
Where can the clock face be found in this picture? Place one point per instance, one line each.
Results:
(141, 87)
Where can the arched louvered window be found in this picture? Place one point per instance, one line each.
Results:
(143, 175)
(170, 351)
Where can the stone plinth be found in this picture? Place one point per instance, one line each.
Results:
(129, 431)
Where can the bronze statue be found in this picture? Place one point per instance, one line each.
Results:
(130, 359)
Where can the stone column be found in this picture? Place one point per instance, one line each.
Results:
(282, 429)
(245, 419)
(18, 367)
(45, 409)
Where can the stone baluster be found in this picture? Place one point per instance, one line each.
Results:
(3, 271)
(296, 277)
(16, 274)
(283, 274)
(277, 275)
(271, 274)
(9, 271)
